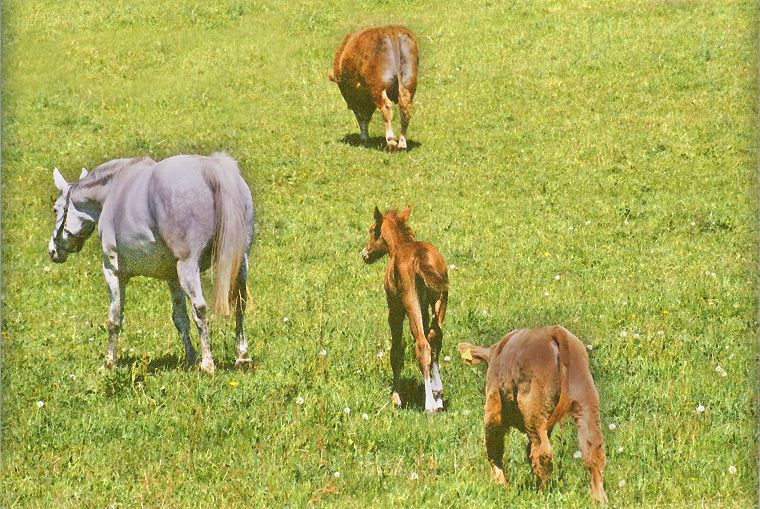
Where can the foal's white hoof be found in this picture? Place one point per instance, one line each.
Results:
(396, 400)
(207, 365)
(436, 406)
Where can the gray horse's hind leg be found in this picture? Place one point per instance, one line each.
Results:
(190, 280)
(242, 343)
(182, 321)
(116, 293)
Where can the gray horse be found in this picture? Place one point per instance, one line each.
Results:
(166, 220)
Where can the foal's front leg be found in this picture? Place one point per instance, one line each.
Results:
(116, 287)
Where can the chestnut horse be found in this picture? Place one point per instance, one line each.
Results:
(415, 280)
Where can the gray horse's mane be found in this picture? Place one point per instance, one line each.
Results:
(109, 169)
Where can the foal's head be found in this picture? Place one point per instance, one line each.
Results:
(72, 225)
(385, 227)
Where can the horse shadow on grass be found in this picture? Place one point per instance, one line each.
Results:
(412, 392)
(375, 142)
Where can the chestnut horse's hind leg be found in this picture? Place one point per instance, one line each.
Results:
(182, 321)
(385, 105)
(421, 349)
(116, 292)
(405, 107)
(242, 343)
(435, 338)
(591, 442)
(396, 323)
(190, 279)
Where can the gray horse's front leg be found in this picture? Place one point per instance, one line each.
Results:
(116, 292)
(242, 343)
(182, 321)
(190, 280)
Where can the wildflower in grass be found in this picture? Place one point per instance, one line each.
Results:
(72, 376)
(720, 370)
(732, 469)
(466, 412)
(700, 408)
(380, 353)
(336, 474)
(636, 335)
(322, 352)
(589, 347)
(621, 483)
(299, 400)
(665, 312)
(365, 417)
(346, 410)
(588, 222)
(577, 454)
(413, 476)
(90, 339)
(660, 332)
(612, 426)
(623, 333)
(232, 383)
(285, 319)
(546, 294)
(447, 358)
(557, 277)
(40, 404)
(620, 449)
(452, 267)
(46, 268)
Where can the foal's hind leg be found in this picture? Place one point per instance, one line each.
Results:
(396, 323)
(182, 321)
(591, 442)
(190, 280)
(116, 287)
(242, 343)
(435, 338)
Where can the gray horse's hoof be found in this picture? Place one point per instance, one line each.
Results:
(207, 365)
(244, 363)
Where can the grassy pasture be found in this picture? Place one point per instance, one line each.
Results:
(585, 163)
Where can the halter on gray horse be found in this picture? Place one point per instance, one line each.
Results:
(167, 220)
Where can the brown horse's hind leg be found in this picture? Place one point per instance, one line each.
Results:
(405, 107)
(385, 105)
(494, 435)
(435, 338)
(540, 453)
(591, 442)
(396, 323)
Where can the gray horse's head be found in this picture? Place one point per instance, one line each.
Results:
(72, 224)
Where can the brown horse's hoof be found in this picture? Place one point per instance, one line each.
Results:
(396, 400)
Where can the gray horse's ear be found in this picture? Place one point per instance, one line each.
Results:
(83, 174)
(60, 182)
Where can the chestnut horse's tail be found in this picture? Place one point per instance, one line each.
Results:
(431, 268)
(560, 337)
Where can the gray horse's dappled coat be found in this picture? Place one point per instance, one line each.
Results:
(167, 220)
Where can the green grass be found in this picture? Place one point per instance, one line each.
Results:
(611, 143)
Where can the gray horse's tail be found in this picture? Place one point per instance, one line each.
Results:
(231, 239)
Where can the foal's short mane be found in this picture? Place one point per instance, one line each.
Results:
(403, 228)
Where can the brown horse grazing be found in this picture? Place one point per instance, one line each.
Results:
(375, 68)
(535, 377)
(415, 280)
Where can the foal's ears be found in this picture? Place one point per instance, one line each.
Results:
(404, 215)
(378, 215)
(60, 182)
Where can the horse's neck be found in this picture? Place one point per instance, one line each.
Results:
(93, 189)
(395, 241)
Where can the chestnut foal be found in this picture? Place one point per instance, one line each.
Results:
(415, 280)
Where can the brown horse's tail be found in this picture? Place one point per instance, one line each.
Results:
(440, 307)
(231, 239)
(560, 337)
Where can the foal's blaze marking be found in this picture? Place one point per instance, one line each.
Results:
(417, 286)
(375, 68)
(535, 377)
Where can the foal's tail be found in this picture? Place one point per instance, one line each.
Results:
(231, 238)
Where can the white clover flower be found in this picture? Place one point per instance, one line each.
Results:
(700, 408)
(621, 483)
(90, 339)
(588, 222)
(322, 352)
(557, 277)
(720, 370)
(365, 417)
(72, 376)
(732, 469)
(40, 404)
(299, 400)
(447, 358)
(546, 294)
(635, 334)
(577, 454)
(285, 319)
(589, 347)
(620, 449)
(336, 474)
(346, 410)
(623, 333)
(612, 426)
(46, 268)
(452, 267)
(466, 411)
(413, 476)
(380, 353)
(660, 332)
